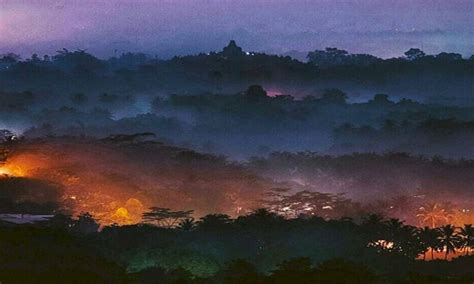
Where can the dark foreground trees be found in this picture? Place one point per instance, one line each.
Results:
(466, 238)
(47, 255)
(165, 217)
(261, 247)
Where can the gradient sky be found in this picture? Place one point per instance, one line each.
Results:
(382, 27)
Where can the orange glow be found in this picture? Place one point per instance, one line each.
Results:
(121, 216)
(116, 184)
(129, 213)
(441, 254)
(10, 170)
(22, 165)
(4, 171)
(122, 212)
(85, 191)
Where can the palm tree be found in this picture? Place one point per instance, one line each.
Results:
(430, 239)
(466, 235)
(393, 231)
(402, 239)
(394, 225)
(187, 225)
(448, 240)
(408, 243)
(433, 214)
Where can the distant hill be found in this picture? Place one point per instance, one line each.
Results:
(414, 74)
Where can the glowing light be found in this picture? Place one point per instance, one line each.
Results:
(383, 244)
(121, 212)
(274, 93)
(129, 213)
(17, 171)
(121, 216)
(10, 170)
(4, 171)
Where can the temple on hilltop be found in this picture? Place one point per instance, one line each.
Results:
(232, 50)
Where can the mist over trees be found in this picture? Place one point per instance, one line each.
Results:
(237, 167)
(344, 102)
(252, 122)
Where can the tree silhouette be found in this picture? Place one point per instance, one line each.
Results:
(85, 223)
(9, 58)
(374, 226)
(334, 96)
(332, 56)
(261, 218)
(60, 221)
(187, 225)
(466, 235)
(78, 61)
(430, 240)
(414, 53)
(394, 235)
(214, 221)
(448, 239)
(164, 217)
(381, 100)
(255, 92)
(449, 57)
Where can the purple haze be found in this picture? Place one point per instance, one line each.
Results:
(165, 28)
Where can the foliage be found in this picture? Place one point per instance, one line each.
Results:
(164, 217)
(231, 251)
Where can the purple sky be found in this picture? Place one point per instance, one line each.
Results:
(384, 27)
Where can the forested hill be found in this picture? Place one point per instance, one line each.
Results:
(413, 74)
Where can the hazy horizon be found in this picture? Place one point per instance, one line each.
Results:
(167, 28)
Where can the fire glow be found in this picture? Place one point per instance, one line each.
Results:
(117, 183)
(113, 208)
(4, 171)
(8, 170)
